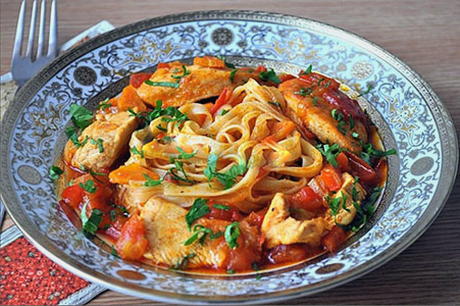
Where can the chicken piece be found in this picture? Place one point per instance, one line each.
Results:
(107, 137)
(200, 83)
(167, 231)
(280, 228)
(346, 215)
(316, 117)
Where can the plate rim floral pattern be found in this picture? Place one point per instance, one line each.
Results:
(444, 124)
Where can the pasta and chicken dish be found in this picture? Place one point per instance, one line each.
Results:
(221, 169)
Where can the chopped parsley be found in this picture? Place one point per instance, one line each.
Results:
(200, 233)
(228, 179)
(315, 101)
(136, 151)
(162, 84)
(368, 89)
(150, 182)
(227, 64)
(364, 211)
(88, 186)
(330, 152)
(337, 114)
(334, 204)
(307, 71)
(55, 172)
(369, 153)
(232, 75)
(90, 225)
(183, 262)
(98, 143)
(183, 154)
(199, 209)
(171, 114)
(185, 72)
(277, 104)
(104, 105)
(230, 271)
(232, 232)
(221, 207)
(224, 111)
(81, 116)
(269, 76)
(162, 128)
(114, 252)
(304, 91)
(72, 133)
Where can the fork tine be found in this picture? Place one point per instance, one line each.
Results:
(19, 31)
(30, 43)
(52, 44)
(41, 29)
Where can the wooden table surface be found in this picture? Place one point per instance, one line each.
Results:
(424, 34)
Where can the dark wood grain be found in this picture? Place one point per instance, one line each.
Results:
(424, 34)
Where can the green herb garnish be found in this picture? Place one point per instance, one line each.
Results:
(150, 182)
(230, 271)
(368, 89)
(199, 209)
(232, 232)
(224, 111)
(227, 64)
(228, 179)
(269, 76)
(330, 152)
(81, 116)
(307, 71)
(315, 101)
(277, 104)
(162, 84)
(88, 186)
(55, 172)
(136, 151)
(185, 72)
(98, 143)
(162, 128)
(200, 233)
(183, 262)
(232, 75)
(304, 91)
(369, 153)
(90, 225)
(222, 207)
(104, 105)
(72, 133)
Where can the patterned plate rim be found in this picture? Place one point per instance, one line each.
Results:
(446, 127)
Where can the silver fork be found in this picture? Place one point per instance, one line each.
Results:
(25, 67)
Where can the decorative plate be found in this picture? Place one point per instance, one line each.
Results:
(410, 116)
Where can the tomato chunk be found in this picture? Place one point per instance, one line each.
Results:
(330, 178)
(334, 239)
(73, 196)
(137, 79)
(256, 218)
(342, 161)
(231, 214)
(287, 253)
(132, 243)
(223, 99)
(306, 198)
